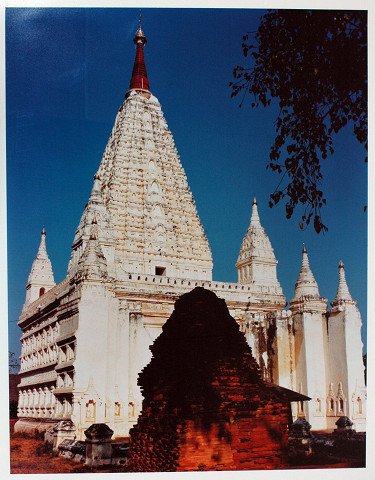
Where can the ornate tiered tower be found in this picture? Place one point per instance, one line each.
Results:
(141, 196)
(256, 262)
(41, 275)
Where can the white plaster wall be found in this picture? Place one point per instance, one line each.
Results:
(310, 364)
(92, 337)
(93, 344)
(355, 367)
(300, 355)
(285, 355)
(140, 339)
(337, 361)
(121, 368)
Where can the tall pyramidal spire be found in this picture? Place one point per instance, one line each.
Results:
(256, 262)
(343, 294)
(139, 78)
(41, 275)
(141, 198)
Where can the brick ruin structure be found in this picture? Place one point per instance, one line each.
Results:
(205, 404)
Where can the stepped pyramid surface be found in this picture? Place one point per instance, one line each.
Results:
(142, 199)
(145, 214)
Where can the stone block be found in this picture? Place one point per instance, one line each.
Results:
(120, 454)
(344, 428)
(73, 449)
(98, 444)
(64, 430)
(49, 435)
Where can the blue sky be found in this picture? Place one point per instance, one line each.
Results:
(67, 71)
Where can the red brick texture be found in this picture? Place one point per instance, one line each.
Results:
(205, 406)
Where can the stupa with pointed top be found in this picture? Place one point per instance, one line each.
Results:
(138, 247)
(41, 275)
(306, 285)
(256, 262)
(343, 294)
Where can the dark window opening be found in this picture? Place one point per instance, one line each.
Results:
(161, 271)
(41, 291)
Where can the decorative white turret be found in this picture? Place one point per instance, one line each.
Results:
(343, 294)
(95, 219)
(92, 264)
(41, 275)
(256, 262)
(306, 285)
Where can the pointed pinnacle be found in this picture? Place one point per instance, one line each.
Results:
(255, 220)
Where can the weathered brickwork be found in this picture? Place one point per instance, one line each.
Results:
(205, 405)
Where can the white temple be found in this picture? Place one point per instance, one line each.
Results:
(138, 247)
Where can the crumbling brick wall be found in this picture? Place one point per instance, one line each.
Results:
(205, 405)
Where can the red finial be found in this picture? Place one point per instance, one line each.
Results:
(139, 75)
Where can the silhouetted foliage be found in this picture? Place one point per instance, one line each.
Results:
(315, 63)
(14, 363)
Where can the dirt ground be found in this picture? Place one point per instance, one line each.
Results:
(31, 455)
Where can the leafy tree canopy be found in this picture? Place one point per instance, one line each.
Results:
(315, 63)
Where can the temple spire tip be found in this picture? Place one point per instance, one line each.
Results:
(140, 36)
(254, 221)
(343, 294)
(139, 80)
